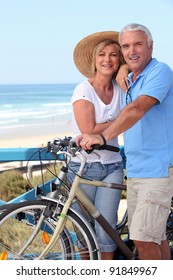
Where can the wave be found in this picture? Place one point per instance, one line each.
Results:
(24, 104)
(67, 104)
(24, 118)
(12, 114)
(9, 121)
(7, 105)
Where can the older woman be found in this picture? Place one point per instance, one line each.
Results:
(96, 103)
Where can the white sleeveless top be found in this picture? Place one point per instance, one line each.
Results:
(103, 113)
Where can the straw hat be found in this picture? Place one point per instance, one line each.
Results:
(84, 49)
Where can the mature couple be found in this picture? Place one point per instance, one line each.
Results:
(144, 113)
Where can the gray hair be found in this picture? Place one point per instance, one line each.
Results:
(137, 27)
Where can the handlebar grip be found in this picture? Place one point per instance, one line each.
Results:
(103, 147)
(112, 148)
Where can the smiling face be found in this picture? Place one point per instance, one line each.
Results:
(107, 58)
(136, 50)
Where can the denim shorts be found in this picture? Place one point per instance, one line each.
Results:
(105, 200)
(149, 202)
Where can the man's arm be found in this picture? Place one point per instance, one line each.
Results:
(126, 119)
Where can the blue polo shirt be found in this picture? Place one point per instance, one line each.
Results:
(149, 143)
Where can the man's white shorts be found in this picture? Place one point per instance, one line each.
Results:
(148, 202)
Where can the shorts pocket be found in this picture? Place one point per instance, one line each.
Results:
(156, 213)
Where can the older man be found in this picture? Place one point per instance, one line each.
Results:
(146, 121)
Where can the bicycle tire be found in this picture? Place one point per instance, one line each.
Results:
(169, 231)
(4, 207)
(18, 223)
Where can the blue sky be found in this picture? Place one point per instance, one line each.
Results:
(37, 37)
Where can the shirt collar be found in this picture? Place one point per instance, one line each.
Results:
(150, 64)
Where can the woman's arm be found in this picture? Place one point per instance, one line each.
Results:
(121, 77)
(85, 117)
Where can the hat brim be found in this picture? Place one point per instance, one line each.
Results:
(84, 49)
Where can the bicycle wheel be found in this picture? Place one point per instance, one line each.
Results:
(169, 232)
(4, 207)
(27, 227)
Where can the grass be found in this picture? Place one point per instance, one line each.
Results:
(13, 183)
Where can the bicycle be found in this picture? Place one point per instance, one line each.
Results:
(49, 228)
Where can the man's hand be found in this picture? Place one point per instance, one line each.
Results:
(87, 140)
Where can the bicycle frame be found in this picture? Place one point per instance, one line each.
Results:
(58, 203)
(76, 192)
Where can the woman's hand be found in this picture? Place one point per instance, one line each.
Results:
(121, 77)
(87, 140)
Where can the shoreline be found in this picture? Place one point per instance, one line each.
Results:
(34, 134)
(38, 133)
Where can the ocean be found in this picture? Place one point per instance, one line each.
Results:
(21, 105)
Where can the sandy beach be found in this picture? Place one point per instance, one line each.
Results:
(32, 135)
(29, 139)
(35, 134)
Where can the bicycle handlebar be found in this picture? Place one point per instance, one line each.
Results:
(60, 144)
(103, 147)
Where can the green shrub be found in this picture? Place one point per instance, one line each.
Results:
(12, 184)
(47, 175)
